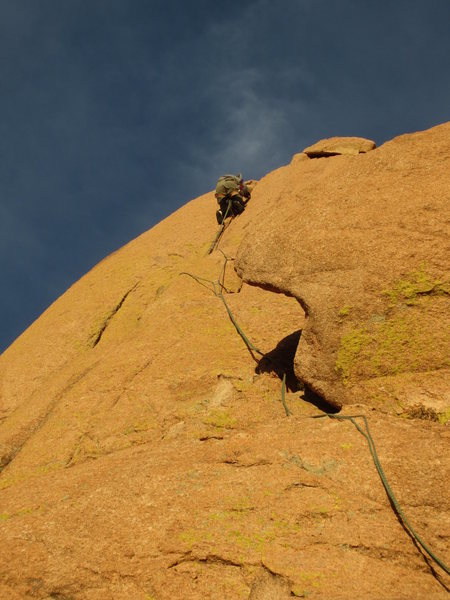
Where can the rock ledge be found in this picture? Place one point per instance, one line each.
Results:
(339, 145)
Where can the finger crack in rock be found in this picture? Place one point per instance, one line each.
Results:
(236, 463)
(210, 559)
(300, 485)
(98, 336)
(32, 428)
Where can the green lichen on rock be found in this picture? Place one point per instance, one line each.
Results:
(345, 311)
(411, 335)
(401, 343)
(414, 284)
(221, 419)
(352, 344)
(444, 417)
(396, 347)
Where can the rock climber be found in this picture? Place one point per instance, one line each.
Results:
(232, 195)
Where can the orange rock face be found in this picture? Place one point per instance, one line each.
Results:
(145, 451)
(362, 243)
(339, 145)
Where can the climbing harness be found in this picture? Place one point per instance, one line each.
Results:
(217, 289)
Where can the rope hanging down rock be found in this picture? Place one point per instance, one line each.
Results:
(283, 396)
(217, 288)
(221, 228)
(387, 487)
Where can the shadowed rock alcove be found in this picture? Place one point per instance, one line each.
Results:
(280, 361)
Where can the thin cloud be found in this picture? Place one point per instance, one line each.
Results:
(114, 114)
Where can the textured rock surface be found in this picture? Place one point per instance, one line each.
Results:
(362, 243)
(146, 454)
(339, 145)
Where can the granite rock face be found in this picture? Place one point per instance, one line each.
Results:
(339, 145)
(145, 452)
(362, 243)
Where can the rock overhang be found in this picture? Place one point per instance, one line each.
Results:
(164, 458)
(351, 146)
(340, 240)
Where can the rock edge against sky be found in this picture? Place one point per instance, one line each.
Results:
(145, 452)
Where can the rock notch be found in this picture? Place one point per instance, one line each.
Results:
(339, 145)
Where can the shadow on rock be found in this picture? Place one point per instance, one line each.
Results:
(313, 398)
(280, 360)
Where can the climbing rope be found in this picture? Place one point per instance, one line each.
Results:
(217, 289)
(386, 485)
(221, 228)
(283, 394)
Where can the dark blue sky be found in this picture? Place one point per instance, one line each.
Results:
(113, 113)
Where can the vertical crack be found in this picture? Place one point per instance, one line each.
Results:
(15, 444)
(115, 310)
